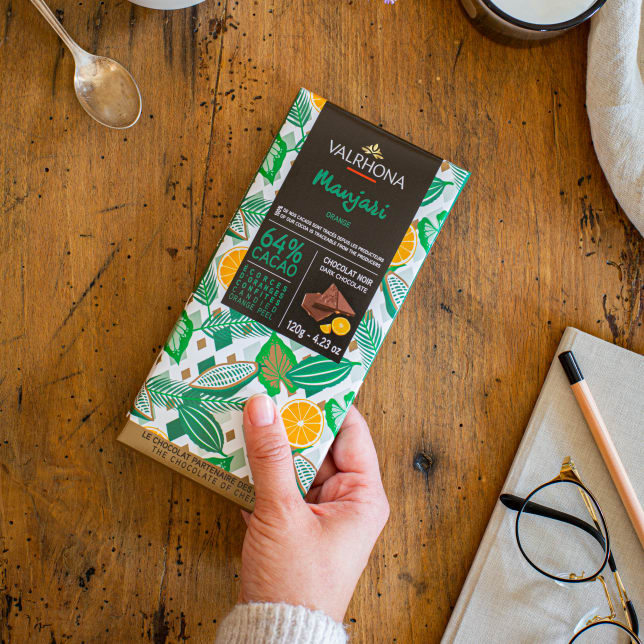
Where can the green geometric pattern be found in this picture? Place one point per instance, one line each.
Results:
(215, 358)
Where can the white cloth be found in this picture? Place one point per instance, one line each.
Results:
(279, 624)
(615, 100)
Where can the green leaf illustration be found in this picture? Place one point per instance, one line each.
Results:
(460, 175)
(179, 338)
(255, 210)
(300, 111)
(220, 405)
(395, 289)
(348, 399)
(143, 405)
(435, 191)
(317, 373)
(275, 361)
(224, 462)
(237, 324)
(202, 429)
(305, 471)
(171, 393)
(427, 231)
(135, 412)
(227, 377)
(165, 392)
(335, 412)
(206, 291)
(237, 227)
(274, 159)
(369, 338)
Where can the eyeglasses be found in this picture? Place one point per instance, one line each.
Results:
(557, 539)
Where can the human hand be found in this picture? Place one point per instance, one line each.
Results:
(309, 552)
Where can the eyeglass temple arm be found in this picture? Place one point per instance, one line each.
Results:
(516, 503)
(635, 625)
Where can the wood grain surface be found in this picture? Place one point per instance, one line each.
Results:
(103, 235)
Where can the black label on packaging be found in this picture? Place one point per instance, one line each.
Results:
(332, 232)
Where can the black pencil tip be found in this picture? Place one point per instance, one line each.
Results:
(571, 367)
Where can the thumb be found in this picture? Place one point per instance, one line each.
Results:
(269, 455)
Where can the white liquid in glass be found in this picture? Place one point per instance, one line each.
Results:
(543, 12)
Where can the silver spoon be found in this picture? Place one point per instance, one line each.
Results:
(104, 88)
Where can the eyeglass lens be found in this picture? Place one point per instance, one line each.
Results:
(571, 545)
(604, 633)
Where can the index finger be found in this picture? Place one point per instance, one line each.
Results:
(353, 449)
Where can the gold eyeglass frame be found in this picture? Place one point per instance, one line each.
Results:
(570, 474)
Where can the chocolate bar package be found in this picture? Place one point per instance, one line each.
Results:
(298, 297)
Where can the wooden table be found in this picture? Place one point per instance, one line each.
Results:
(104, 233)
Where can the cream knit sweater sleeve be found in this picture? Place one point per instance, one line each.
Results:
(279, 624)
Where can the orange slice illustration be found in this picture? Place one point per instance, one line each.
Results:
(156, 431)
(317, 101)
(406, 249)
(303, 421)
(341, 326)
(229, 264)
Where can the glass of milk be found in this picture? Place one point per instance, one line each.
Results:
(509, 20)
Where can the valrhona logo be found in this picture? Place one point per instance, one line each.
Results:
(367, 164)
(373, 150)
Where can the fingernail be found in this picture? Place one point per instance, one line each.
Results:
(261, 410)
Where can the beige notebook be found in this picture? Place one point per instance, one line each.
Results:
(503, 598)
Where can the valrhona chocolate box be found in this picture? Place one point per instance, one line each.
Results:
(298, 296)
